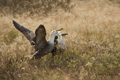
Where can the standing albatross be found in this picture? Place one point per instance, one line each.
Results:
(59, 45)
(42, 46)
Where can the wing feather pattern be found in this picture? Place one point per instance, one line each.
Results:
(40, 40)
(27, 33)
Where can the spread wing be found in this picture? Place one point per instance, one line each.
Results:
(27, 33)
(40, 40)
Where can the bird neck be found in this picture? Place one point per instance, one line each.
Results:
(51, 39)
(60, 39)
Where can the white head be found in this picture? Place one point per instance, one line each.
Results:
(59, 33)
(53, 32)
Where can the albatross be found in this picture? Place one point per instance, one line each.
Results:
(59, 45)
(41, 45)
(47, 49)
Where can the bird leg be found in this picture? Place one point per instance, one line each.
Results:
(36, 55)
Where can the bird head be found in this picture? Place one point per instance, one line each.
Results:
(54, 32)
(59, 33)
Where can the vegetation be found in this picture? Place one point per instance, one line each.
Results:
(93, 43)
(32, 7)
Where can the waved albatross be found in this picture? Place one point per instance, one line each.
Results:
(42, 46)
(59, 45)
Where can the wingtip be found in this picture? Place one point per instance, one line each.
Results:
(14, 21)
(41, 25)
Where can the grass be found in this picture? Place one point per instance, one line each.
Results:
(9, 37)
(93, 43)
(33, 7)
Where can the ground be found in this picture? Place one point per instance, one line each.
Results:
(93, 43)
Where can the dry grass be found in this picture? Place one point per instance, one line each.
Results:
(93, 44)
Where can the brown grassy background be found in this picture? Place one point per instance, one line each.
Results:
(93, 43)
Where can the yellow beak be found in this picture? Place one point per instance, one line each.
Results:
(60, 29)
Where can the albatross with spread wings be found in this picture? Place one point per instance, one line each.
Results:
(42, 46)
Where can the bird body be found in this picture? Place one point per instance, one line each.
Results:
(38, 39)
(41, 45)
(59, 44)
(47, 49)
